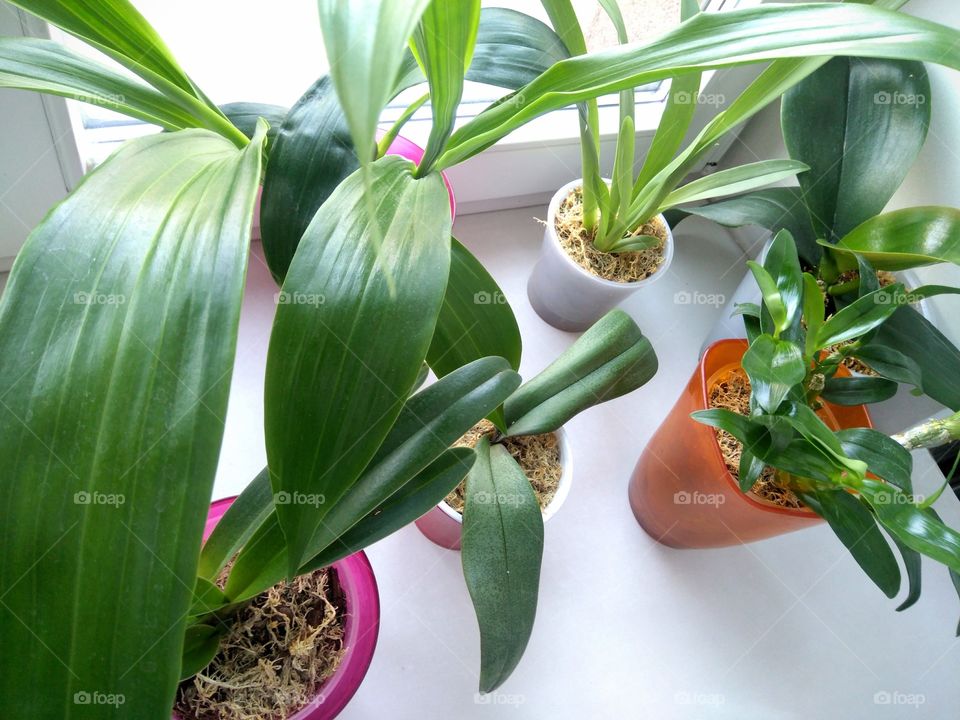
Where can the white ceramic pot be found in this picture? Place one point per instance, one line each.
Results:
(444, 525)
(567, 296)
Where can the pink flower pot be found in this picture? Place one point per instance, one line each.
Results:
(400, 146)
(359, 587)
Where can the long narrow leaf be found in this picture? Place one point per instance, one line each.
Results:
(733, 181)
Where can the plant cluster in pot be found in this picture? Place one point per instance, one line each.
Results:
(605, 239)
(792, 443)
(837, 214)
(113, 419)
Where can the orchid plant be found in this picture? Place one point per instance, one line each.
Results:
(857, 479)
(122, 311)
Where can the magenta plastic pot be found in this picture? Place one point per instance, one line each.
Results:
(400, 146)
(359, 586)
(444, 526)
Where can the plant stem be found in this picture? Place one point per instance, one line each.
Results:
(930, 434)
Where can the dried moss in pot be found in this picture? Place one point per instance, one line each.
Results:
(279, 651)
(537, 455)
(625, 267)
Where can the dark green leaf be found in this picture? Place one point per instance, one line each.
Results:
(783, 264)
(858, 390)
(244, 116)
(502, 549)
(912, 564)
(861, 317)
(610, 359)
(200, 647)
(907, 238)
(774, 367)
(341, 326)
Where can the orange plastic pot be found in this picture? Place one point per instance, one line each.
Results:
(681, 491)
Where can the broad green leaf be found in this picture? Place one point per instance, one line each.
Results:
(884, 456)
(733, 181)
(201, 644)
(49, 67)
(475, 320)
(313, 154)
(857, 529)
(430, 422)
(920, 530)
(777, 208)
(774, 367)
(245, 115)
(443, 43)
(247, 513)
(858, 390)
(814, 311)
(502, 550)
(341, 326)
(861, 317)
(712, 40)
(364, 40)
(513, 49)
(122, 311)
(859, 124)
(907, 238)
(908, 348)
(772, 301)
(610, 359)
(783, 265)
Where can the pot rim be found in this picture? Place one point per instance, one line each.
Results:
(552, 234)
(753, 500)
(360, 632)
(563, 487)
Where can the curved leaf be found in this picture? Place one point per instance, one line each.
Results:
(122, 310)
(610, 359)
(774, 368)
(884, 456)
(501, 554)
(341, 326)
(859, 124)
(733, 180)
(861, 316)
(245, 115)
(907, 238)
(858, 390)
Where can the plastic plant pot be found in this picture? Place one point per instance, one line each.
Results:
(400, 146)
(362, 625)
(567, 296)
(681, 491)
(444, 526)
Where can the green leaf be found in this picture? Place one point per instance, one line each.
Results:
(783, 264)
(909, 348)
(610, 359)
(712, 40)
(502, 550)
(861, 316)
(512, 49)
(313, 154)
(857, 529)
(734, 180)
(678, 112)
(858, 390)
(774, 368)
(48, 67)
(920, 530)
(443, 43)
(244, 516)
(771, 295)
(200, 647)
(760, 439)
(122, 311)
(245, 115)
(859, 124)
(912, 564)
(475, 320)
(567, 26)
(429, 423)
(364, 40)
(207, 598)
(814, 311)
(906, 238)
(340, 326)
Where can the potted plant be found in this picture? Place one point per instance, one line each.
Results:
(123, 309)
(792, 443)
(881, 109)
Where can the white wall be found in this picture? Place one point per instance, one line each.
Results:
(934, 178)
